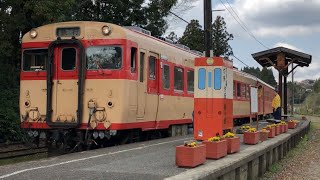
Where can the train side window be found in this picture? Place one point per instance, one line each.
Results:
(166, 77)
(152, 68)
(248, 92)
(178, 78)
(68, 59)
(141, 65)
(217, 79)
(133, 59)
(243, 90)
(202, 79)
(234, 89)
(238, 89)
(190, 81)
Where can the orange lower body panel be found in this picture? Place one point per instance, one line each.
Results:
(211, 117)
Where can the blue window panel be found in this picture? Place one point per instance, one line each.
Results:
(202, 79)
(209, 79)
(217, 79)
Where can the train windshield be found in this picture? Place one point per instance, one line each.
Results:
(104, 57)
(35, 59)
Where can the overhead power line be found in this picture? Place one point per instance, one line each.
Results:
(240, 60)
(179, 17)
(241, 23)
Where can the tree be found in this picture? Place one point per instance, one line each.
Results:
(150, 16)
(22, 15)
(316, 86)
(265, 74)
(220, 38)
(193, 36)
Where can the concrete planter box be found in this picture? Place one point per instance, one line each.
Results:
(216, 149)
(233, 144)
(190, 156)
(281, 128)
(277, 130)
(285, 127)
(251, 137)
(264, 135)
(272, 132)
(292, 125)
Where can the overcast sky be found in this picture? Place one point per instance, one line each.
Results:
(289, 23)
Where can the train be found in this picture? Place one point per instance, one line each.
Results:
(85, 82)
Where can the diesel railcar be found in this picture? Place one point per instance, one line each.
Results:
(87, 81)
(95, 80)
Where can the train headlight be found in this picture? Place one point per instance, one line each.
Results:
(106, 30)
(101, 135)
(210, 61)
(33, 33)
(35, 133)
(95, 134)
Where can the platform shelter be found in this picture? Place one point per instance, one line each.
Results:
(281, 58)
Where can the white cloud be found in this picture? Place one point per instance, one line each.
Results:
(283, 18)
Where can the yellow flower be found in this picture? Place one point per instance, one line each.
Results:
(252, 130)
(283, 122)
(269, 126)
(229, 135)
(273, 125)
(264, 130)
(190, 144)
(215, 138)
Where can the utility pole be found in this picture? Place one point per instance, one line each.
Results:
(207, 27)
(292, 91)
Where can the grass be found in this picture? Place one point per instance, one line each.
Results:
(22, 159)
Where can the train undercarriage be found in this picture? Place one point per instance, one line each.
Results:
(64, 141)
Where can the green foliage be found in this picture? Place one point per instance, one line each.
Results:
(22, 15)
(193, 36)
(316, 86)
(149, 16)
(265, 74)
(220, 38)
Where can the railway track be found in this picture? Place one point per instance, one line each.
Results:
(14, 150)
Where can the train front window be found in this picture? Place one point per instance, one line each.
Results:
(104, 57)
(34, 59)
(68, 61)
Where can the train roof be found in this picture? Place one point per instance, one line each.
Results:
(249, 76)
(92, 30)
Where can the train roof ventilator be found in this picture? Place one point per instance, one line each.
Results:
(213, 96)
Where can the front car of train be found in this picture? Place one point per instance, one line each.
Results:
(75, 75)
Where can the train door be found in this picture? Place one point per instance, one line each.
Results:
(152, 99)
(141, 93)
(65, 79)
(65, 90)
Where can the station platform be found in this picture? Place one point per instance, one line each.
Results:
(144, 160)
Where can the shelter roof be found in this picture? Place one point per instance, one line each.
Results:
(268, 57)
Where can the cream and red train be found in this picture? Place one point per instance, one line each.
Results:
(97, 80)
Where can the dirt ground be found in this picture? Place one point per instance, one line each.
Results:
(304, 161)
